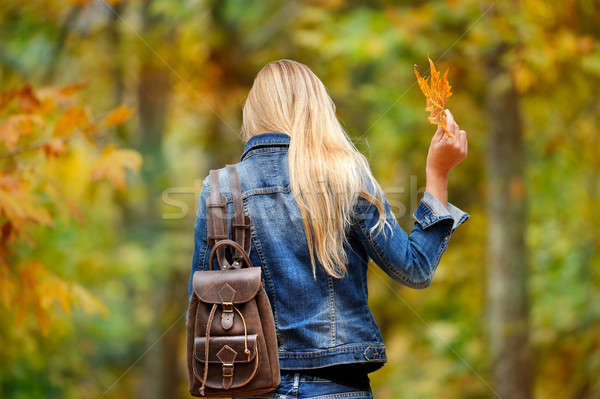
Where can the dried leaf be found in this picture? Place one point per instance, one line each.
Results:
(118, 116)
(437, 91)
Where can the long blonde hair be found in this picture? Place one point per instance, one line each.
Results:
(327, 172)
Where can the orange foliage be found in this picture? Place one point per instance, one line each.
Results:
(118, 116)
(73, 118)
(16, 126)
(46, 122)
(112, 164)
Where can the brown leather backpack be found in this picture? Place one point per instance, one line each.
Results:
(232, 345)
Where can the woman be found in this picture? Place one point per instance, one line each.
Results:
(318, 216)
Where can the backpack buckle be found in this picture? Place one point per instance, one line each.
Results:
(227, 315)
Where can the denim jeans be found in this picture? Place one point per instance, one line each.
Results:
(334, 383)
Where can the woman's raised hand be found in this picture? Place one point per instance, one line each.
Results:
(447, 151)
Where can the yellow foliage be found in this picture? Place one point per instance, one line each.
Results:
(28, 198)
(37, 290)
(18, 207)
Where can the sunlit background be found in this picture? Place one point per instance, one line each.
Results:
(112, 113)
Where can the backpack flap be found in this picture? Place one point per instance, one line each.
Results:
(227, 286)
(229, 364)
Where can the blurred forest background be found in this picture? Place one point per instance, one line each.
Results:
(112, 113)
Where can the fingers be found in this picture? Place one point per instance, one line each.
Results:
(449, 118)
(439, 134)
(463, 141)
(451, 125)
(456, 138)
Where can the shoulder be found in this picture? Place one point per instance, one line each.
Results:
(223, 179)
(265, 174)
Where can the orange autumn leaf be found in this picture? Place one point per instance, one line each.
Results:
(8, 286)
(72, 89)
(16, 126)
(37, 290)
(18, 203)
(112, 164)
(53, 96)
(26, 99)
(54, 148)
(72, 119)
(118, 116)
(437, 91)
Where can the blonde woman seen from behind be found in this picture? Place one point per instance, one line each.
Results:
(318, 217)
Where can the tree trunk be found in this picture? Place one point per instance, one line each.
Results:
(153, 92)
(61, 40)
(507, 263)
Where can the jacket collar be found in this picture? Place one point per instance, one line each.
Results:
(262, 140)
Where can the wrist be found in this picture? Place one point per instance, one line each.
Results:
(437, 184)
(436, 174)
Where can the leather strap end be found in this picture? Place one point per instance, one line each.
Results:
(227, 376)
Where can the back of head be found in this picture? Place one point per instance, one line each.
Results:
(327, 172)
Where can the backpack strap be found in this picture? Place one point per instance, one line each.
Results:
(216, 218)
(240, 222)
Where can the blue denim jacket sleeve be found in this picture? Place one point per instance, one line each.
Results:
(410, 259)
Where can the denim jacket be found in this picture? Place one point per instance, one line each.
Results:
(323, 321)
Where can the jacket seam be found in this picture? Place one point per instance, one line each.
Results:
(258, 151)
(433, 220)
(258, 191)
(429, 222)
(202, 261)
(266, 190)
(332, 326)
(434, 213)
(264, 267)
(441, 251)
(203, 257)
(344, 395)
(339, 349)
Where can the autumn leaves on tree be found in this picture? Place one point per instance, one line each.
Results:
(40, 130)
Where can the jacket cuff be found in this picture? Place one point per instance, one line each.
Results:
(431, 210)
